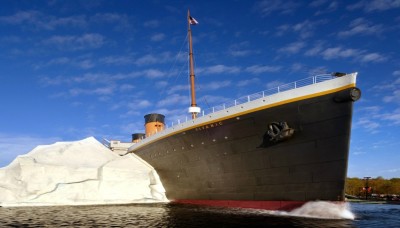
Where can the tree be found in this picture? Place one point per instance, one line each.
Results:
(354, 186)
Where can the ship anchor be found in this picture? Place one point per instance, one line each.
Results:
(277, 132)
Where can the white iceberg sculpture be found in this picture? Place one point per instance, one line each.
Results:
(78, 173)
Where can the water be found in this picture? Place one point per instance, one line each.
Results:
(376, 215)
(174, 215)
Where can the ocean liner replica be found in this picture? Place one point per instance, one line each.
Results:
(276, 149)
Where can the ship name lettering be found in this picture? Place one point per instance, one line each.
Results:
(211, 125)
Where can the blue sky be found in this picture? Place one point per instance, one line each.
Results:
(73, 69)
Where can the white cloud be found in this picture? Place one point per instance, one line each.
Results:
(258, 69)
(240, 49)
(151, 24)
(248, 82)
(296, 67)
(153, 73)
(373, 57)
(21, 17)
(391, 170)
(117, 60)
(139, 104)
(305, 29)
(215, 85)
(177, 88)
(77, 21)
(368, 124)
(55, 61)
(38, 20)
(173, 99)
(120, 21)
(292, 48)
(86, 41)
(108, 90)
(358, 150)
(86, 64)
(317, 49)
(375, 5)
(10, 39)
(161, 84)
(391, 89)
(393, 97)
(157, 37)
(78, 62)
(92, 78)
(98, 78)
(371, 110)
(317, 71)
(152, 59)
(52, 81)
(361, 26)
(126, 87)
(147, 59)
(267, 7)
(134, 107)
(240, 53)
(341, 52)
(393, 117)
(219, 69)
(330, 7)
(375, 117)
(318, 3)
(389, 115)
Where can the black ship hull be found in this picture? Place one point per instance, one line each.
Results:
(236, 161)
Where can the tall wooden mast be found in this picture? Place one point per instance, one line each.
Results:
(193, 106)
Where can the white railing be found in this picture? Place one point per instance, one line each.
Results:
(255, 96)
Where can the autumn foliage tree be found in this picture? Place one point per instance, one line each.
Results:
(354, 186)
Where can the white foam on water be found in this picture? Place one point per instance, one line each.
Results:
(318, 209)
(324, 210)
(312, 209)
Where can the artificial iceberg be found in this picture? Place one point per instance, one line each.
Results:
(78, 173)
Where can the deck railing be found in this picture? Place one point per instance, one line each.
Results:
(255, 96)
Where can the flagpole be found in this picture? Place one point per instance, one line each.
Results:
(193, 107)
